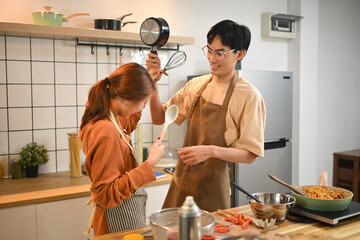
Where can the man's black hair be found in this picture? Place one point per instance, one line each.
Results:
(232, 34)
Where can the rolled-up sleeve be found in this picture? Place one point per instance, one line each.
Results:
(184, 98)
(245, 119)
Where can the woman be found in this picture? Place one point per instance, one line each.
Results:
(112, 111)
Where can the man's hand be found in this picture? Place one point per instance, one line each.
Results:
(195, 154)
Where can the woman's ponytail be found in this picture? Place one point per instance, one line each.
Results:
(131, 82)
(98, 104)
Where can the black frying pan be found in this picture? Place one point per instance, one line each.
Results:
(111, 23)
(154, 32)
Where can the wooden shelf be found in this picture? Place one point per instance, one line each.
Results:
(83, 34)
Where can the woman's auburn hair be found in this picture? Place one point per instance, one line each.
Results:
(131, 81)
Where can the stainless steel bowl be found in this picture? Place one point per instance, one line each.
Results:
(166, 218)
(275, 205)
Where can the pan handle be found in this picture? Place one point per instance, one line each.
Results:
(244, 191)
(123, 24)
(66, 19)
(123, 16)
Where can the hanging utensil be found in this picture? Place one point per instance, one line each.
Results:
(295, 189)
(176, 60)
(170, 116)
(155, 33)
(244, 191)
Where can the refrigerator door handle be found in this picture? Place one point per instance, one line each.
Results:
(281, 143)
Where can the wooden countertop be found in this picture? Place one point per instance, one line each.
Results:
(50, 187)
(349, 229)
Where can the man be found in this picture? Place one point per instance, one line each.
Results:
(226, 121)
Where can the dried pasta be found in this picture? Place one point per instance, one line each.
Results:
(320, 192)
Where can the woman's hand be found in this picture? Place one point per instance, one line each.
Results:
(195, 154)
(156, 152)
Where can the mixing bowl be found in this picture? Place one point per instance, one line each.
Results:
(166, 218)
(169, 159)
(275, 205)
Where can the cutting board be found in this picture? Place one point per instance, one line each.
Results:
(236, 229)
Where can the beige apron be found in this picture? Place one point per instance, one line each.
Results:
(130, 213)
(208, 182)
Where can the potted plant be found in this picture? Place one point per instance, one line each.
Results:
(32, 156)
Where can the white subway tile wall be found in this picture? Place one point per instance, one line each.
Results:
(3, 120)
(43, 95)
(3, 143)
(20, 119)
(84, 55)
(42, 49)
(86, 73)
(44, 118)
(2, 96)
(19, 95)
(17, 140)
(2, 47)
(44, 85)
(18, 72)
(18, 48)
(2, 71)
(42, 73)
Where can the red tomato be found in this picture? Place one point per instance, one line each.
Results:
(245, 225)
(247, 219)
(221, 228)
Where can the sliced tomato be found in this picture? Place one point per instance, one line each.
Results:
(232, 219)
(241, 222)
(247, 219)
(245, 225)
(221, 228)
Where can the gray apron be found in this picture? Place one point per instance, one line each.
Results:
(130, 213)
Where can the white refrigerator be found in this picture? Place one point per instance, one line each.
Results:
(277, 90)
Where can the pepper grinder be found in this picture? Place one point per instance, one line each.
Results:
(189, 222)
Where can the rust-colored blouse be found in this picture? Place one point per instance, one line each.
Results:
(111, 166)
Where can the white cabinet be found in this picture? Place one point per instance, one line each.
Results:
(156, 197)
(18, 223)
(65, 219)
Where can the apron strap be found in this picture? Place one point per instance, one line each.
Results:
(230, 89)
(197, 96)
(91, 218)
(227, 96)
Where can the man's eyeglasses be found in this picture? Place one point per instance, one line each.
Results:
(219, 55)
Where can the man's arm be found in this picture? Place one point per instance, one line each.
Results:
(157, 114)
(196, 154)
(153, 66)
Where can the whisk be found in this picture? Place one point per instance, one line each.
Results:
(176, 60)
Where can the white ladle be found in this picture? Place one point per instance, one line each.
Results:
(170, 116)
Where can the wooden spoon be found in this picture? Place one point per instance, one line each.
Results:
(295, 189)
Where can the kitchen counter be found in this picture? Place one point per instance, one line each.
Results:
(50, 187)
(349, 229)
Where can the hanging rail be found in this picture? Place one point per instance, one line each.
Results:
(92, 45)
